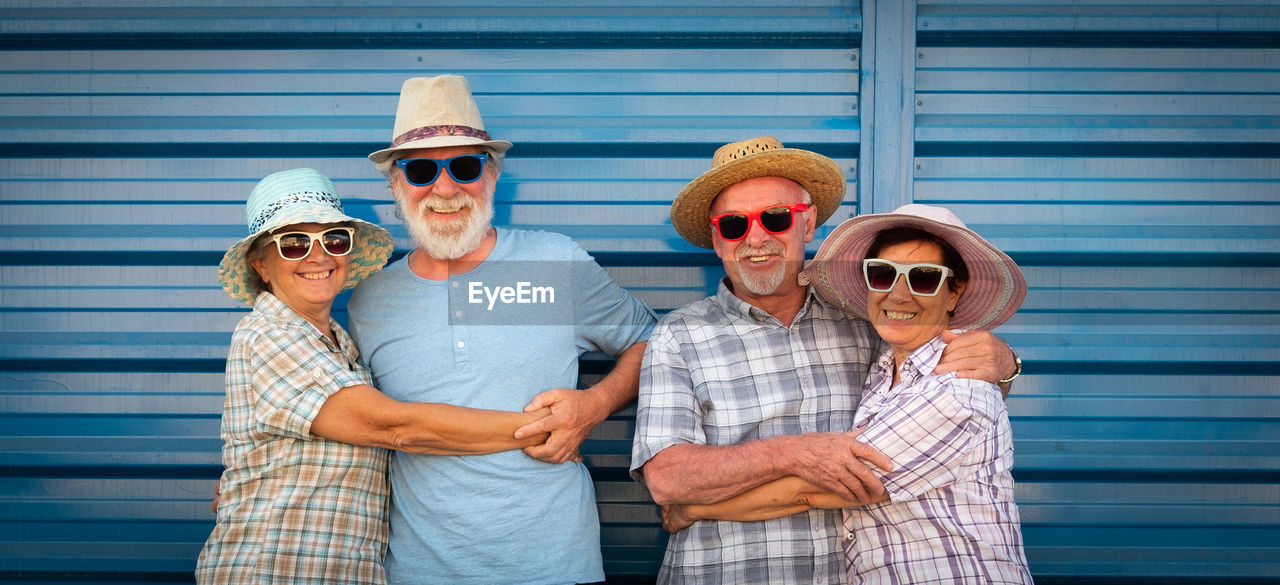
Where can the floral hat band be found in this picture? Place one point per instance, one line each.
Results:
(442, 130)
(274, 207)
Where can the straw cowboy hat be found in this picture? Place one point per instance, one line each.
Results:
(995, 289)
(435, 112)
(292, 197)
(759, 157)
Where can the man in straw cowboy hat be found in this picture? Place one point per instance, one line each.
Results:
(528, 517)
(761, 380)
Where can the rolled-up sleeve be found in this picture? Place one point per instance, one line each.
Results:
(934, 436)
(293, 374)
(667, 412)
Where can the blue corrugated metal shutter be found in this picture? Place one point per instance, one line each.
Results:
(131, 137)
(1128, 156)
(1126, 153)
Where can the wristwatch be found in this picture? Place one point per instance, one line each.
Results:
(1017, 368)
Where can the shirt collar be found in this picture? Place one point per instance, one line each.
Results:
(917, 365)
(274, 309)
(740, 308)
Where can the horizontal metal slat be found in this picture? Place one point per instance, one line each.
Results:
(511, 17)
(1087, 386)
(96, 559)
(1036, 62)
(525, 179)
(1063, 15)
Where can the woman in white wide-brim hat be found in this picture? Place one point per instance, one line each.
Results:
(303, 498)
(949, 514)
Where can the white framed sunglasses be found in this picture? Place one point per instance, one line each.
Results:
(923, 279)
(296, 245)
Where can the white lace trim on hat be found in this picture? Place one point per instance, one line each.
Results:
(293, 199)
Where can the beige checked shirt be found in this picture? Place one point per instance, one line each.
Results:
(295, 508)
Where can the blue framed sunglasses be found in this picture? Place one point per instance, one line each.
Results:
(464, 168)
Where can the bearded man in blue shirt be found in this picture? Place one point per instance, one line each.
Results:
(481, 315)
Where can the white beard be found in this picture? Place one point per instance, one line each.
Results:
(448, 239)
(761, 284)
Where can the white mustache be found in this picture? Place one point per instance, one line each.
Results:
(746, 251)
(447, 204)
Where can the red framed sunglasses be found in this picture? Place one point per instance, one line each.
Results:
(775, 220)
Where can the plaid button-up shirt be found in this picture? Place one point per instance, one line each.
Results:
(295, 508)
(951, 517)
(721, 372)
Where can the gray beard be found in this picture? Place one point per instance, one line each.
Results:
(766, 284)
(448, 240)
(760, 284)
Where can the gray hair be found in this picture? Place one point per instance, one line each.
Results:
(257, 252)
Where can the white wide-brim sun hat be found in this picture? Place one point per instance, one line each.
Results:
(995, 290)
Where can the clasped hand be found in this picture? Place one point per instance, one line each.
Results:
(573, 414)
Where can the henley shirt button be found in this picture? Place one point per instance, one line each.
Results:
(457, 313)
(454, 283)
(461, 345)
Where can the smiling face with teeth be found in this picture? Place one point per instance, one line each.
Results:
(904, 320)
(447, 219)
(763, 266)
(308, 286)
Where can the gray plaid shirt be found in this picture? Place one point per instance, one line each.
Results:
(721, 372)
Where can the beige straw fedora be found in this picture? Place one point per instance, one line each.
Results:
(435, 112)
(759, 157)
(995, 290)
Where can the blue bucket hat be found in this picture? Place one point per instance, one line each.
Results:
(300, 196)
